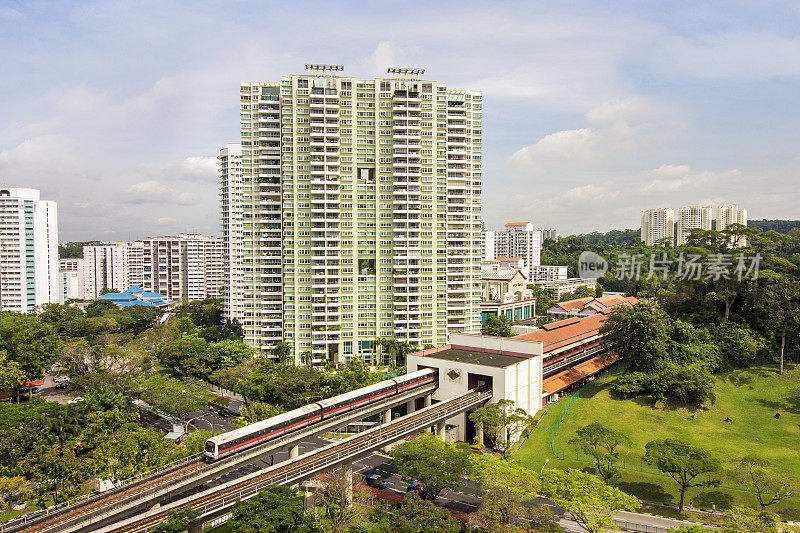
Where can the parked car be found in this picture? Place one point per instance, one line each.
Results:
(76, 400)
(375, 481)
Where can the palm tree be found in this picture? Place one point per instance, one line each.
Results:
(385, 345)
(402, 349)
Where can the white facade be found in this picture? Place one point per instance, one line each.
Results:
(514, 366)
(184, 267)
(693, 217)
(28, 251)
(658, 226)
(360, 213)
(116, 265)
(732, 214)
(519, 239)
(72, 282)
(547, 273)
(233, 267)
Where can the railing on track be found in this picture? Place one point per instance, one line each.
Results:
(324, 458)
(233, 460)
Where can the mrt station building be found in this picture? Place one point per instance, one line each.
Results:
(511, 367)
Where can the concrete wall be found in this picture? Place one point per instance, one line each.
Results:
(520, 382)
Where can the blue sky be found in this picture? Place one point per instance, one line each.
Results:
(592, 112)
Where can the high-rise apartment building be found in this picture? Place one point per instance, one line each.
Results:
(658, 226)
(28, 251)
(230, 168)
(519, 239)
(689, 218)
(72, 283)
(114, 266)
(732, 214)
(184, 267)
(360, 212)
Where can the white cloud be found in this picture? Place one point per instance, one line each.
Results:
(590, 193)
(615, 129)
(673, 178)
(166, 221)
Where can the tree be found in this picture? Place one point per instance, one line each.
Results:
(178, 521)
(131, 451)
(12, 489)
(57, 470)
(768, 488)
(499, 326)
(334, 500)
(171, 395)
(273, 510)
(586, 498)
(10, 376)
(638, 334)
(502, 423)
(437, 465)
(31, 344)
(505, 488)
(694, 528)
(747, 520)
(601, 443)
(282, 351)
(417, 515)
(684, 463)
(256, 412)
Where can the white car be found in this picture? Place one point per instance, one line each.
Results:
(76, 400)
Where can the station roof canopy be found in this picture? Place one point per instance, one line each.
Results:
(476, 358)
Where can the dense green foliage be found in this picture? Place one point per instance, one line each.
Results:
(74, 250)
(499, 326)
(781, 226)
(274, 510)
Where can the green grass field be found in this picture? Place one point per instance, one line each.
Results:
(749, 397)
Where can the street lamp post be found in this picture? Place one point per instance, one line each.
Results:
(544, 465)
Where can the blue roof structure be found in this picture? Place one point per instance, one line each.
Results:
(117, 296)
(136, 296)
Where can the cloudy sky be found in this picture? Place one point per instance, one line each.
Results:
(117, 110)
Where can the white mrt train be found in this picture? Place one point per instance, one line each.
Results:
(239, 439)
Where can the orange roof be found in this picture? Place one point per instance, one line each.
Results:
(556, 334)
(515, 259)
(516, 223)
(599, 303)
(579, 303)
(588, 368)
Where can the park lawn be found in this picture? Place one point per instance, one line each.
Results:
(750, 397)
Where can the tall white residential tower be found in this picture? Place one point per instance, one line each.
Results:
(732, 214)
(115, 265)
(519, 239)
(184, 267)
(693, 217)
(360, 212)
(29, 273)
(658, 226)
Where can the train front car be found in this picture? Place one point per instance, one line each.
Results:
(357, 398)
(260, 432)
(416, 379)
